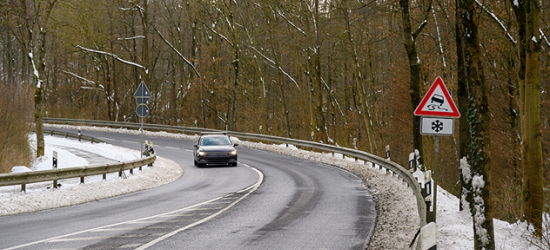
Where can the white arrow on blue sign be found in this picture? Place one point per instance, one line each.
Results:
(142, 94)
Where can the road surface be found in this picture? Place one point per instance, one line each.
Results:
(269, 201)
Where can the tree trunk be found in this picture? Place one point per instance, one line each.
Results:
(366, 113)
(415, 71)
(319, 104)
(235, 85)
(38, 97)
(462, 93)
(10, 58)
(532, 189)
(38, 64)
(145, 48)
(479, 123)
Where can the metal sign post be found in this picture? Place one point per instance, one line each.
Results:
(436, 159)
(142, 96)
(438, 104)
(141, 141)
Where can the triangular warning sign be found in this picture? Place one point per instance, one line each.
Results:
(437, 102)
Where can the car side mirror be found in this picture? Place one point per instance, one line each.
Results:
(196, 146)
(236, 144)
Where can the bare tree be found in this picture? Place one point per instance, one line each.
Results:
(530, 42)
(229, 11)
(478, 119)
(31, 26)
(415, 65)
(363, 92)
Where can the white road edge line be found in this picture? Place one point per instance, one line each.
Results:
(106, 139)
(251, 190)
(77, 239)
(253, 187)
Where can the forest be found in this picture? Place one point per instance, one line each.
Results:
(343, 72)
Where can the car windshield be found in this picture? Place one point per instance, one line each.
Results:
(215, 141)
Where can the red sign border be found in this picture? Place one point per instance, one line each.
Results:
(438, 82)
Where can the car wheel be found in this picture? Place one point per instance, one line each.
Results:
(233, 164)
(195, 163)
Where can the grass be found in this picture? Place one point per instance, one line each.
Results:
(16, 105)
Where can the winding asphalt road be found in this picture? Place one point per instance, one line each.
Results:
(269, 201)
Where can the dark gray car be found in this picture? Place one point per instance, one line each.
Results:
(215, 149)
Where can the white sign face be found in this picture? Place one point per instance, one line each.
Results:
(436, 126)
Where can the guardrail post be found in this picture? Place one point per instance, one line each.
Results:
(411, 163)
(355, 146)
(54, 167)
(312, 139)
(66, 134)
(428, 239)
(430, 213)
(82, 180)
(151, 150)
(146, 153)
(23, 188)
(104, 176)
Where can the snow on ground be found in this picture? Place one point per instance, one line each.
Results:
(66, 158)
(455, 229)
(41, 196)
(397, 220)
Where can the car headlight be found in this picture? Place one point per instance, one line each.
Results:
(202, 153)
(234, 152)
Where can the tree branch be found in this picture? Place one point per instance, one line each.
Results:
(175, 50)
(277, 66)
(113, 56)
(494, 17)
(424, 23)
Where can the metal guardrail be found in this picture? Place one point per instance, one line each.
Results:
(389, 165)
(73, 172)
(77, 136)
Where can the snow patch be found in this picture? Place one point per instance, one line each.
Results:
(465, 169)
